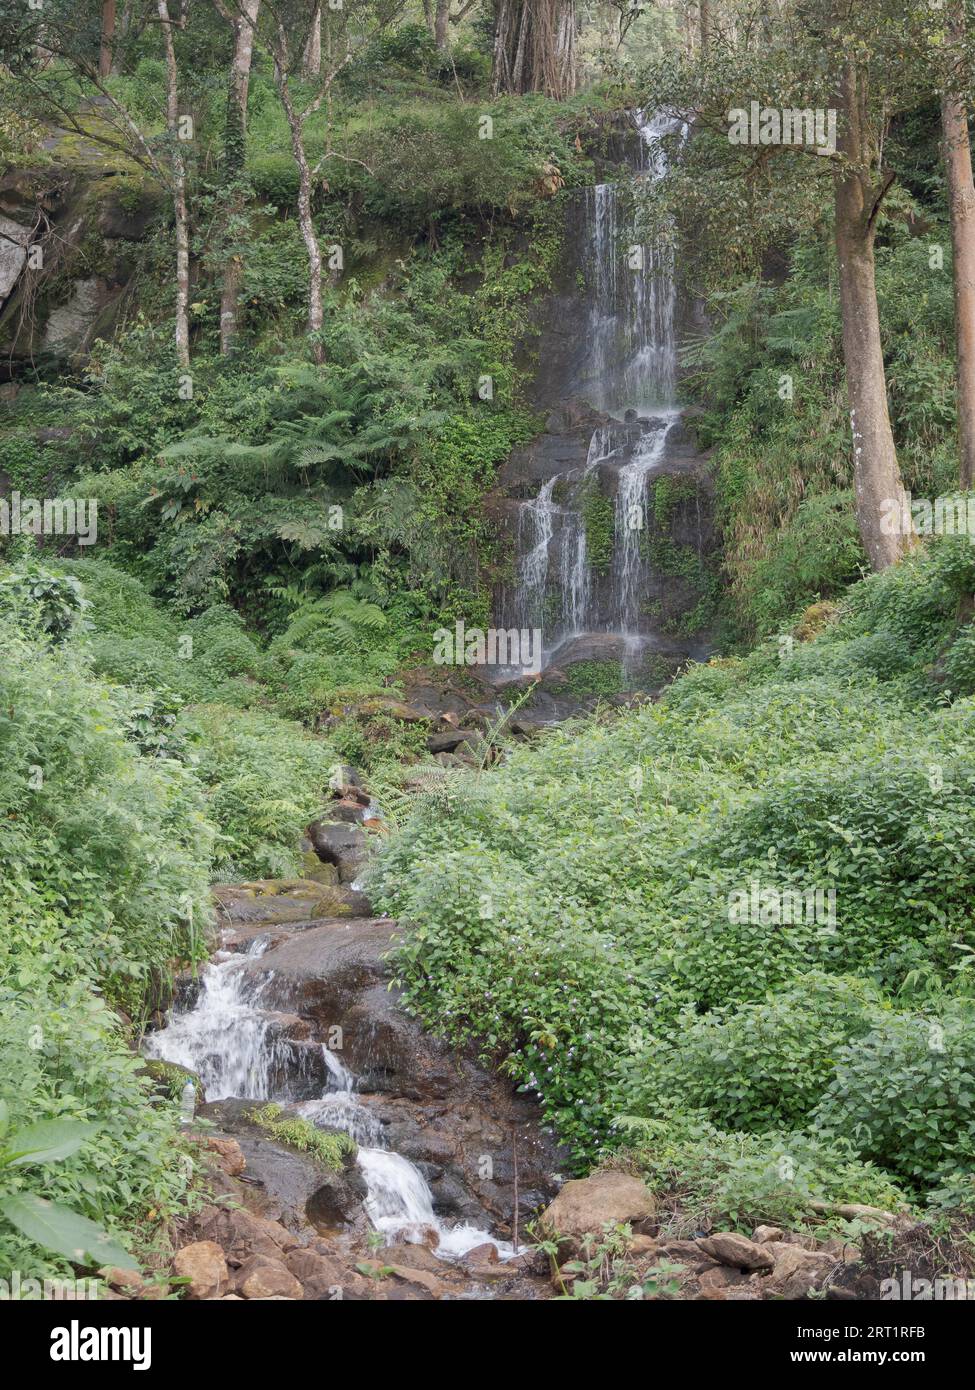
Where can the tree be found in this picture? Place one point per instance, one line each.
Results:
(439, 17)
(178, 167)
(108, 35)
(244, 20)
(961, 202)
(535, 47)
(345, 30)
(863, 64)
(860, 191)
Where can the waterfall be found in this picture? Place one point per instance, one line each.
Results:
(224, 1038)
(629, 371)
(228, 1041)
(630, 522)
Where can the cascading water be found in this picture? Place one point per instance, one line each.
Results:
(229, 1042)
(225, 1038)
(628, 370)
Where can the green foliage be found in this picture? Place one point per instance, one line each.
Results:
(53, 1227)
(784, 469)
(707, 1177)
(759, 1066)
(595, 678)
(104, 858)
(598, 519)
(330, 1150)
(265, 780)
(40, 601)
(905, 1095)
(595, 951)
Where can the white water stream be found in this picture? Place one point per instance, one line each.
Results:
(229, 1042)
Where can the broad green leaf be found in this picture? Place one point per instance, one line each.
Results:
(47, 1141)
(64, 1231)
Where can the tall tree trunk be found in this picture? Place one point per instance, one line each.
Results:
(108, 35)
(311, 62)
(179, 192)
(316, 310)
(961, 196)
(877, 479)
(234, 155)
(441, 20)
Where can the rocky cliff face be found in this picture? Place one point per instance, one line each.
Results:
(70, 234)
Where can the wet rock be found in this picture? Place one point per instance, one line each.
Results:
(486, 1254)
(246, 907)
(345, 846)
(260, 1277)
(203, 1264)
(453, 739)
(296, 1188)
(451, 1198)
(584, 1205)
(738, 1252)
(341, 902)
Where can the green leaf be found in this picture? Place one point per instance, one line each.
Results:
(46, 1142)
(64, 1231)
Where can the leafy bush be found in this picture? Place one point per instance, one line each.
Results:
(104, 859)
(710, 1178)
(761, 1066)
(905, 1094)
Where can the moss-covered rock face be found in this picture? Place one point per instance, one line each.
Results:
(169, 1078)
(85, 212)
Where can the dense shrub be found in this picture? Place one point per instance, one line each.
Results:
(905, 1094)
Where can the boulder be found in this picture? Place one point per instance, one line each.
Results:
(761, 1234)
(346, 846)
(203, 1264)
(229, 1155)
(736, 1251)
(240, 1234)
(797, 1270)
(319, 1276)
(584, 1205)
(452, 739)
(260, 1277)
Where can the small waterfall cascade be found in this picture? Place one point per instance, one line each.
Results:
(627, 368)
(225, 1038)
(230, 1043)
